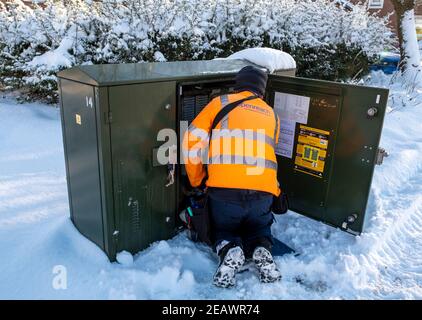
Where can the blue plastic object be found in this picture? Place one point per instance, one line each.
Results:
(387, 63)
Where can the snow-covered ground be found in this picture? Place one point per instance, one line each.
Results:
(36, 233)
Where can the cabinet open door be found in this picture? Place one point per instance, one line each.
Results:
(144, 205)
(328, 146)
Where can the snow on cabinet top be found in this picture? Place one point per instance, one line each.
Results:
(126, 73)
(117, 74)
(269, 58)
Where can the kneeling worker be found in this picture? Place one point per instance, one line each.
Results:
(241, 184)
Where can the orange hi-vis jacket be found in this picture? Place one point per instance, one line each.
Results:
(240, 150)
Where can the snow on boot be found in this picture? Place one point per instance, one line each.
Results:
(268, 271)
(225, 275)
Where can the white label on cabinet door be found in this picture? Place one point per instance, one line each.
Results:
(286, 139)
(292, 107)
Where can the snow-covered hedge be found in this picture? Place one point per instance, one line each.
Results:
(326, 40)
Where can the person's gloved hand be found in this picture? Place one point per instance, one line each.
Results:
(198, 191)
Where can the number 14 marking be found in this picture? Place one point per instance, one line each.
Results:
(89, 103)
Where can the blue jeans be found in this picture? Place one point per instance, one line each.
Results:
(240, 216)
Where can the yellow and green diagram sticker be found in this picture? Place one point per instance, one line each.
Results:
(311, 150)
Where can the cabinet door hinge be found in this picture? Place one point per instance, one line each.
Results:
(116, 235)
(109, 117)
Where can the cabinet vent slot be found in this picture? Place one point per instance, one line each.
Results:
(135, 219)
(188, 110)
(200, 102)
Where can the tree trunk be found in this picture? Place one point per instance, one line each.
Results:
(406, 32)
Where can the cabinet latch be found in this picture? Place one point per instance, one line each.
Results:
(381, 154)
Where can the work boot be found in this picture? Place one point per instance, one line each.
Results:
(230, 262)
(268, 271)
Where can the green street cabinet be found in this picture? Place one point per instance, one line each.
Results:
(120, 197)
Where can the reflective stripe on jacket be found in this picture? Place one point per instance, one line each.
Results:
(240, 151)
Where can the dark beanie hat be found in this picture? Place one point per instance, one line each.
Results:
(251, 79)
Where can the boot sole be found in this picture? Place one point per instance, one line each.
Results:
(265, 261)
(225, 281)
